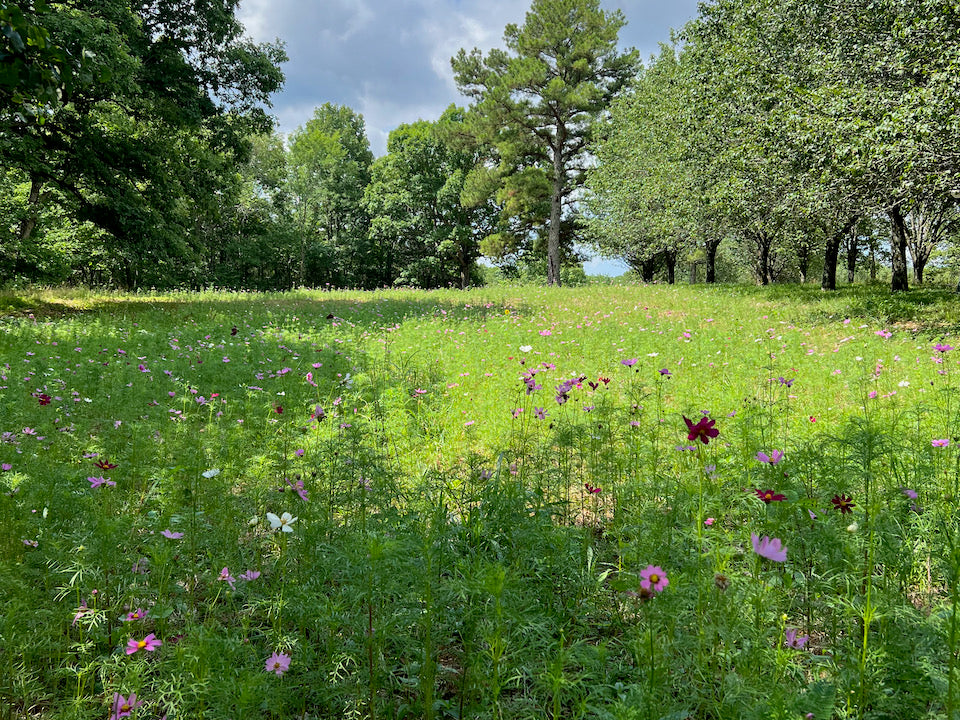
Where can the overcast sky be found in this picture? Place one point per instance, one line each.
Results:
(390, 59)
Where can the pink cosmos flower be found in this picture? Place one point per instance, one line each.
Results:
(792, 640)
(278, 663)
(653, 578)
(226, 577)
(940, 443)
(767, 548)
(250, 575)
(122, 707)
(773, 458)
(709, 521)
(912, 494)
(96, 482)
(138, 614)
(149, 643)
(6, 466)
(171, 535)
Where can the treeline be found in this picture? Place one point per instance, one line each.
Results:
(784, 134)
(771, 139)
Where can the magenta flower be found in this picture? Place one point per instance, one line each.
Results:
(171, 535)
(704, 429)
(773, 458)
(767, 548)
(912, 494)
(940, 347)
(792, 640)
(149, 643)
(138, 614)
(940, 443)
(6, 466)
(278, 663)
(96, 482)
(653, 578)
(226, 577)
(591, 489)
(664, 371)
(122, 707)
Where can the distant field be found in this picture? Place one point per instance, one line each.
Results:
(512, 502)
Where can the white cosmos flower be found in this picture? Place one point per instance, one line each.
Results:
(211, 473)
(281, 523)
(526, 348)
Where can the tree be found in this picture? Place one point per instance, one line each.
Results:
(329, 164)
(537, 103)
(147, 125)
(415, 201)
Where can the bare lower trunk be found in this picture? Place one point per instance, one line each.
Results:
(556, 207)
(851, 255)
(712, 246)
(831, 253)
(898, 250)
(29, 222)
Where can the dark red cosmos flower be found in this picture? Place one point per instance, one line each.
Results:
(104, 464)
(843, 503)
(593, 385)
(44, 399)
(769, 496)
(704, 429)
(278, 409)
(591, 489)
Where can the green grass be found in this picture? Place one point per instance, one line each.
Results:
(449, 560)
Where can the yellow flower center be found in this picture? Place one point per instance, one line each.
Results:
(125, 707)
(141, 644)
(654, 578)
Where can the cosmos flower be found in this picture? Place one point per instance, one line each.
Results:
(278, 663)
(773, 458)
(843, 503)
(282, 523)
(171, 535)
(792, 640)
(149, 643)
(767, 548)
(653, 578)
(122, 707)
(769, 496)
(591, 489)
(704, 429)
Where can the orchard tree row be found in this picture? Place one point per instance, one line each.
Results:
(787, 132)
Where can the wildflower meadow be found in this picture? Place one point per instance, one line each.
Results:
(512, 502)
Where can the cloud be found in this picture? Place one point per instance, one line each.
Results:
(390, 59)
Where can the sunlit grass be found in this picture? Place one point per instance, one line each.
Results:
(464, 547)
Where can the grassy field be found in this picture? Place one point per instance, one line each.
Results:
(603, 502)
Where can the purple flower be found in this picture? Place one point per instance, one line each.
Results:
(939, 347)
(664, 371)
(96, 482)
(767, 548)
(940, 443)
(773, 458)
(171, 535)
(792, 640)
(912, 494)
(539, 413)
(138, 614)
(629, 362)
(122, 707)
(278, 663)
(226, 577)
(250, 575)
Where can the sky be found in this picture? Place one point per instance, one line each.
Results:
(389, 60)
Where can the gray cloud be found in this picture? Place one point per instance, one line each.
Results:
(390, 59)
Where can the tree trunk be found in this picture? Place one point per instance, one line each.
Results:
(670, 258)
(556, 207)
(711, 247)
(29, 221)
(762, 267)
(898, 250)
(831, 253)
(851, 255)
